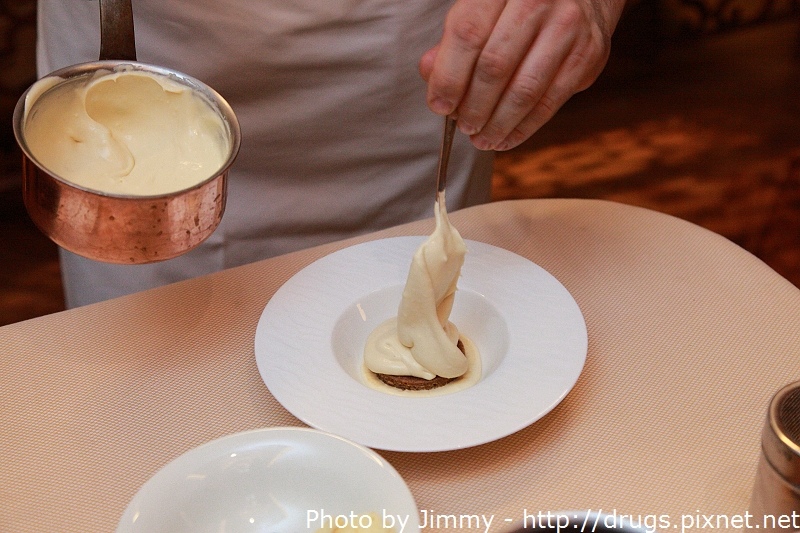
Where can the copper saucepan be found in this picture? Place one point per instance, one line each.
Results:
(118, 228)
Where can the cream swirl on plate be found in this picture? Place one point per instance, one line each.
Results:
(422, 341)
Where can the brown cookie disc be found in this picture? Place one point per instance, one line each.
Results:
(413, 383)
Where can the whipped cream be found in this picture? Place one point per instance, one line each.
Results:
(124, 131)
(421, 341)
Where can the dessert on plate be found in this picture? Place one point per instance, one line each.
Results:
(421, 349)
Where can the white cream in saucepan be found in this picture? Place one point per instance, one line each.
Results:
(421, 341)
(124, 132)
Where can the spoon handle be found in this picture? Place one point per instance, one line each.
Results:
(117, 39)
(444, 155)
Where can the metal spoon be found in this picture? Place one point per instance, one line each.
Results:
(444, 154)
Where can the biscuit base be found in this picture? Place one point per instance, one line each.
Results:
(414, 383)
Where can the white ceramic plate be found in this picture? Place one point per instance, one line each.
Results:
(527, 327)
(281, 480)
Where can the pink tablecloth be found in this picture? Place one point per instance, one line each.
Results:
(689, 336)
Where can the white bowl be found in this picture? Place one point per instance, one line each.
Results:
(276, 480)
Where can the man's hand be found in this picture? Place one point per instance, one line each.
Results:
(504, 67)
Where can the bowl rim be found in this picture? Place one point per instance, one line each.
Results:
(249, 438)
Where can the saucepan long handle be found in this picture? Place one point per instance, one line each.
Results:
(117, 39)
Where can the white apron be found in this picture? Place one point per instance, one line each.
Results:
(336, 137)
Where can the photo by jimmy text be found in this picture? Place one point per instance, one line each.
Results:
(318, 518)
(586, 521)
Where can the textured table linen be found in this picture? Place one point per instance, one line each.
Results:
(689, 336)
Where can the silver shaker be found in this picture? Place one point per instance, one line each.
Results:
(775, 503)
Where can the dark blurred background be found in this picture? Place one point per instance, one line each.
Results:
(696, 115)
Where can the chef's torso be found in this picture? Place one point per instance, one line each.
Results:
(336, 137)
